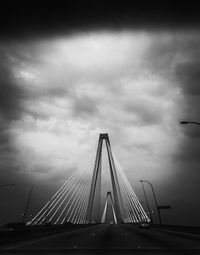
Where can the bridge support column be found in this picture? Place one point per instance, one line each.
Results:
(96, 181)
(103, 219)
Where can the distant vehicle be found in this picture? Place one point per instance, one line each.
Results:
(47, 224)
(68, 223)
(144, 225)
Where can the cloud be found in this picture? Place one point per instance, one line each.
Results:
(98, 82)
(189, 74)
(189, 152)
(30, 20)
(11, 97)
(59, 94)
(85, 106)
(10, 94)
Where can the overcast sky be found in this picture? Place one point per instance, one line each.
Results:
(60, 90)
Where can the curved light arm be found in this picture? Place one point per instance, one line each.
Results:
(189, 122)
(158, 210)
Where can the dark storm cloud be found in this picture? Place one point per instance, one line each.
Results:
(10, 94)
(10, 107)
(187, 73)
(42, 18)
(11, 97)
(174, 50)
(189, 76)
(189, 152)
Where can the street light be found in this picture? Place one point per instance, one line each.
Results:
(27, 204)
(154, 195)
(147, 202)
(189, 122)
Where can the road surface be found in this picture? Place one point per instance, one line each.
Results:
(110, 239)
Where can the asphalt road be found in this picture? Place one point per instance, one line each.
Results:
(110, 239)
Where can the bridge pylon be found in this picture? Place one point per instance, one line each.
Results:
(96, 181)
(105, 210)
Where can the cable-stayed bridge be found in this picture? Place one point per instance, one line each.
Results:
(83, 200)
(79, 199)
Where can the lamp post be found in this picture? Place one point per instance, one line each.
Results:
(27, 204)
(147, 202)
(154, 195)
